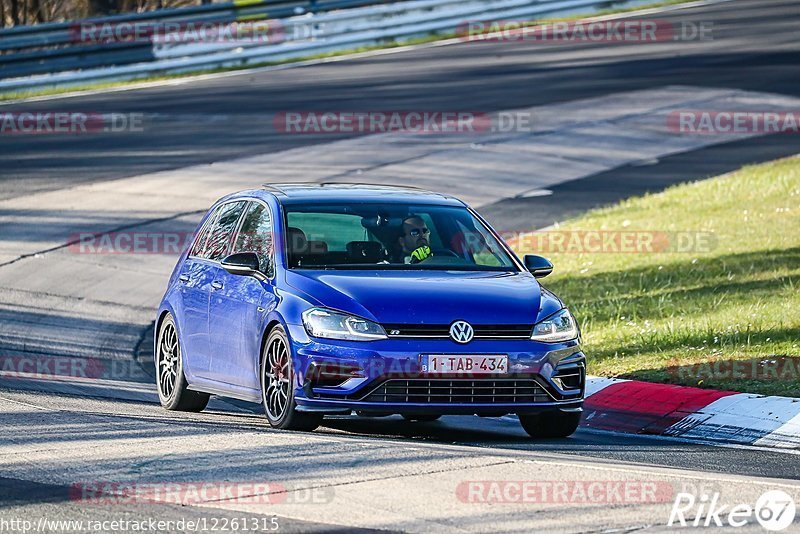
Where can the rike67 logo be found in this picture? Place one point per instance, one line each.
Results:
(775, 511)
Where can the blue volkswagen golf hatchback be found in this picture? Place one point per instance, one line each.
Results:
(331, 299)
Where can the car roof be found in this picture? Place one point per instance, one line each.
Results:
(297, 193)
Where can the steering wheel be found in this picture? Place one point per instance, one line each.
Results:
(444, 254)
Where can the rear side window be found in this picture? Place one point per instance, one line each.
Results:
(199, 245)
(255, 235)
(220, 238)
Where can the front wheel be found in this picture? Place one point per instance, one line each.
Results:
(277, 391)
(170, 380)
(551, 425)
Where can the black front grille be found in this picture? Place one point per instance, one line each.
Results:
(444, 391)
(508, 331)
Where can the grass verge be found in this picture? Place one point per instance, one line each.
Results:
(437, 36)
(713, 301)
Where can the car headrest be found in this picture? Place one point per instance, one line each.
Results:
(296, 240)
(317, 248)
(366, 251)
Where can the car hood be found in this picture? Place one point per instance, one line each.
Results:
(429, 297)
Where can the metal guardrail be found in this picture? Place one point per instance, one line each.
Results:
(44, 48)
(55, 33)
(324, 26)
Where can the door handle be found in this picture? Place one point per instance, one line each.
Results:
(184, 278)
(216, 284)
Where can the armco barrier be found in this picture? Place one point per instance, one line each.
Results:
(47, 48)
(324, 26)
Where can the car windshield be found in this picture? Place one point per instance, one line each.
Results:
(391, 236)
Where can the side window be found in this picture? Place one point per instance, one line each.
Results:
(199, 245)
(220, 237)
(256, 236)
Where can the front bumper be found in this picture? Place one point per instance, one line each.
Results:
(385, 377)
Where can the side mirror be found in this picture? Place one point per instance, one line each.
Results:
(538, 265)
(243, 264)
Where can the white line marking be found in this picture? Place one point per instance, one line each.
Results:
(653, 10)
(596, 384)
(691, 441)
(42, 408)
(761, 481)
(786, 435)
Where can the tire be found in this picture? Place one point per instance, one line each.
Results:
(170, 380)
(421, 418)
(551, 425)
(277, 391)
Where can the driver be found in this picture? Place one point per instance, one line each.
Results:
(414, 240)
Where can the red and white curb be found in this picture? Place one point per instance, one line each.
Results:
(636, 407)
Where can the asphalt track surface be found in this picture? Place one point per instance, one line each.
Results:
(755, 48)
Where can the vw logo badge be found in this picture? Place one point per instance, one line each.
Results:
(461, 332)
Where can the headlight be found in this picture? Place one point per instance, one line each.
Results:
(558, 327)
(329, 324)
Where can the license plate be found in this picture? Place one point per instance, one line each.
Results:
(464, 365)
